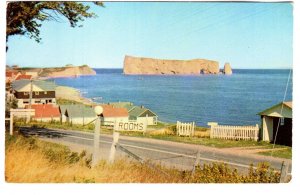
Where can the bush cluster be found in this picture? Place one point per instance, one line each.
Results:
(221, 173)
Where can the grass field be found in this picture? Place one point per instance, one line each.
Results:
(34, 161)
(286, 152)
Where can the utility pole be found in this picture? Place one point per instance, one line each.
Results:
(95, 158)
(30, 94)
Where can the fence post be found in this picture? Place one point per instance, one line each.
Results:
(193, 129)
(95, 159)
(197, 161)
(284, 172)
(256, 132)
(113, 147)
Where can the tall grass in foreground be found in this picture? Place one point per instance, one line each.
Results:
(33, 161)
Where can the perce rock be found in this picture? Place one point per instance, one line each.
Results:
(137, 65)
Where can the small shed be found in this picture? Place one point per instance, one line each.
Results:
(112, 114)
(142, 114)
(278, 117)
(77, 114)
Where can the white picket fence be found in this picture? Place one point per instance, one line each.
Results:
(234, 132)
(185, 129)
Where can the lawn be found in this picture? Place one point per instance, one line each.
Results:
(56, 125)
(286, 152)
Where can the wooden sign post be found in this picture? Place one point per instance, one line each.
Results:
(113, 147)
(19, 113)
(95, 158)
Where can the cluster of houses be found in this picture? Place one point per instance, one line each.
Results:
(40, 96)
(14, 75)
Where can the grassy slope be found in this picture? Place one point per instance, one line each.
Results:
(31, 160)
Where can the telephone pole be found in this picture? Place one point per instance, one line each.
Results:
(30, 94)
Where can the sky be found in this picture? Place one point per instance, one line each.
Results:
(247, 35)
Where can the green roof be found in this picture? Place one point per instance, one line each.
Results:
(78, 110)
(44, 85)
(282, 109)
(129, 107)
(137, 111)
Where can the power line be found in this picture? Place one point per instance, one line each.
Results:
(287, 83)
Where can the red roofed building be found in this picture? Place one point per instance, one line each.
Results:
(11, 76)
(45, 112)
(111, 114)
(23, 76)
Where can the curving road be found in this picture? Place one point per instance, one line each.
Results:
(172, 154)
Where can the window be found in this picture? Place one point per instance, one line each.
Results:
(37, 93)
(37, 101)
(25, 101)
(26, 93)
(50, 101)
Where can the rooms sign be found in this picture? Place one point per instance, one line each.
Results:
(130, 126)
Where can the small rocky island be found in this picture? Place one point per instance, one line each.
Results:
(150, 66)
(227, 69)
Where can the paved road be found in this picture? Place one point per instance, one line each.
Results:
(167, 153)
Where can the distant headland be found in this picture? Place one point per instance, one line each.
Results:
(55, 72)
(150, 66)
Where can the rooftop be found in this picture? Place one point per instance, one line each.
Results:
(23, 76)
(45, 110)
(289, 104)
(10, 73)
(45, 85)
(282, 109)
(77, 110)
(137, 111)
(111, 111)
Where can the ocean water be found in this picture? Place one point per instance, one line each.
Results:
(231, 100)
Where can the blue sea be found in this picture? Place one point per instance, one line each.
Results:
(231, 100)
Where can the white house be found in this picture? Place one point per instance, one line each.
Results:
(142, 114)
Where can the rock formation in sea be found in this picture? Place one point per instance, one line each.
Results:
(139, 65)
(227, 69)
